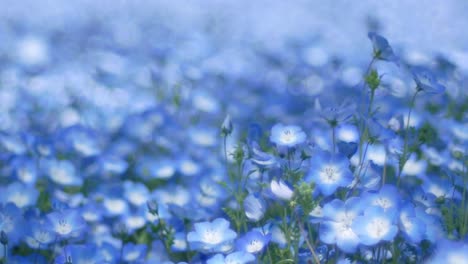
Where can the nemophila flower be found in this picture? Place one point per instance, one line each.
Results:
(188, 167)
(215, 236)
(203, 136)
(434, 228)
(281, 190)
(450, 252)
(132, 253)
(426, 81)
(410, 225)
(329, 171)
(115, 206)
(67, 223)
(80, 254)
(381, 49)
(25, 170)
(12, 144)
(370, 178)
(39, 234)
(11, 222)
(226, 126)
(237, 257)
(254, 207)
(387, 198)
(19, 194)
(92, 212)
(287, 136)
(253, 242)
(81, 140)
(112, 165)
(154, 168)
(134, 219)
(439, 187)
(63, 172)
(136, 193)
(336, 115)
(338, 219)
(180, 242)
(261, 158)
(375, 225)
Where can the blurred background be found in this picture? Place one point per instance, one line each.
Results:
(88, 61)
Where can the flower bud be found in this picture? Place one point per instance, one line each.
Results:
(3, 238)
(152, 207)
(226, 127)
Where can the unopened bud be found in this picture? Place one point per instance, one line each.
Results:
(3, 238)
(226, 127)
(152, 207)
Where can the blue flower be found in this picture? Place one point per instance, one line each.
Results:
(19, 194)
(450, 252)
(381, 49)
(426, 80)
(281, 190)
(388, 198)
(329, 172)
(337, 228)
(67, 223)
(63, 172)
(39, 234)
(11, 222)
(237, 257)
(375, 225)
(254, 207)
(253, 242)
(412, 227)
(81, 140)
(78, 254)
(136, 193)
(133, 253)
(287, 136)
(213, 236)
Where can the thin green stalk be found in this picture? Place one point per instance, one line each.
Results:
(334, 139)
(5, 253)
(405, 144)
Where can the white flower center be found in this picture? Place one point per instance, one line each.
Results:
(383, 202)
(378, 228)
(288, 136)
(63, 227)
(212, 236)
(254, 246)
(329, 174)
(20, 199)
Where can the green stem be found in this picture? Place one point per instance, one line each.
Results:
(334, 139)
(5, 253)
(405, 144)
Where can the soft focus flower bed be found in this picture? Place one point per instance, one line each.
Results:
(175, 150)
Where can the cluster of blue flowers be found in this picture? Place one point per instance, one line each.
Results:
(176, 151)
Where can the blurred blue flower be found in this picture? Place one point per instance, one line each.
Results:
(287, 136)
(66, 224)
(254, 207)
(426, 81)
(19, 194)
(375, 225)
(253, 242)
(239, 257)
(281, 190)
(215, 236)
(337, 227)
(329, 171)
(381, 49)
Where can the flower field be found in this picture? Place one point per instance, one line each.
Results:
(183, 133)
